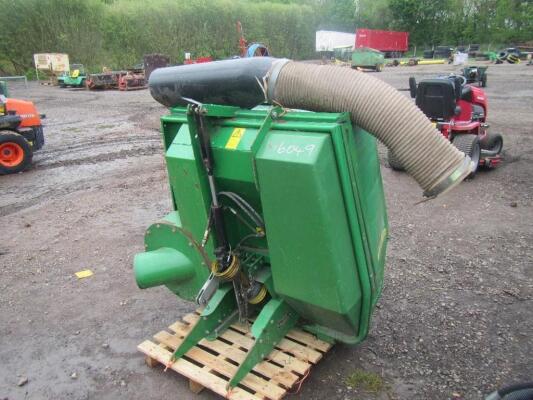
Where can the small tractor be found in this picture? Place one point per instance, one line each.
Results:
(459, 112)
(21, 133)
(76, 77)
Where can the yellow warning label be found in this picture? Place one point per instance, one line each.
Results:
(235, 138)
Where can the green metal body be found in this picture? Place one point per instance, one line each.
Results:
(315, 180)
(367, 58)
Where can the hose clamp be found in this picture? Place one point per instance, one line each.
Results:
(272, 76)
(451, 180)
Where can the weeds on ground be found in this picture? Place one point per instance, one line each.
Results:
(366, 381)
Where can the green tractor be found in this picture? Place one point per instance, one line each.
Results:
(76, 77)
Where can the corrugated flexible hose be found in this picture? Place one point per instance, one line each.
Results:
(379, 109)
(373, 105)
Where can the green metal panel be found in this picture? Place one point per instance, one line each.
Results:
(372, 209)
(308, 235)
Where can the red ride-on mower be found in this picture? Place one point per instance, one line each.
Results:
(459, 112)
(21, 133)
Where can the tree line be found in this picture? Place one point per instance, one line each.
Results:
(116, 33)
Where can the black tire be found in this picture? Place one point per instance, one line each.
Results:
(492, 144)
(394, 162)
(484, 81)
(469, 144)
(9, 140)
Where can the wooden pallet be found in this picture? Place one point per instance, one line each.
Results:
(211, 364)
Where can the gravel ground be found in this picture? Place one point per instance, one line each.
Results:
(455, 319)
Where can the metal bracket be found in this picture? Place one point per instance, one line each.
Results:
(223, 325)
(208, 290)
(274, 113)
(274, 321)
(219, 313)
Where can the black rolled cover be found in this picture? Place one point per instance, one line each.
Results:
(228, 82)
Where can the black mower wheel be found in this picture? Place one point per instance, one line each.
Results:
(491, 145)
(394, 162)
(15, 153)
(469, 144)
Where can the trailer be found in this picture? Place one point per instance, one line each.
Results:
(327, 41)
(392, 43)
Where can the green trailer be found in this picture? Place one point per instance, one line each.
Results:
(76, 77)
(368, 58)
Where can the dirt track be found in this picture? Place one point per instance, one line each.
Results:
(455, 318)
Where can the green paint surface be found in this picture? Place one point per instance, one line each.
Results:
(316, 182)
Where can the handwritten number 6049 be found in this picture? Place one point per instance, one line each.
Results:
(282, 148)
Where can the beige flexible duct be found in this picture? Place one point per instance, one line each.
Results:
(378, 108)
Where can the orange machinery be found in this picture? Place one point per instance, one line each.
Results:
(21, 133)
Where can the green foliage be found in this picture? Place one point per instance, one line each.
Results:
(434, 22)
(365, 381)
(30, 26)
(117, 33)
(373, 14)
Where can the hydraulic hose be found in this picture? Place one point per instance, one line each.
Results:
(373, 105)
